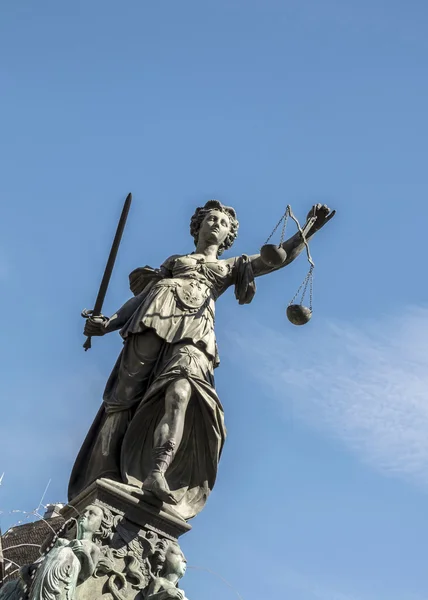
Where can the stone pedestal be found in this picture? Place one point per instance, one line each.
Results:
(132, 505)
(116, 544)
(133, 540)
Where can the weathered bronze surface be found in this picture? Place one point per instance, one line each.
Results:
(273, 255)
(161, 425)
(150, 458)
(298, 314)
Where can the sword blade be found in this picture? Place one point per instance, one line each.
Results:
(112, 257)
(97, 310)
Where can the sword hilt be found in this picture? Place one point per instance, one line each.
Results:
(89, 314)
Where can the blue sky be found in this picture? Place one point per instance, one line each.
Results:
(322, 487)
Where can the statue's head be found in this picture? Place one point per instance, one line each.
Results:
(175, 561)
(91, 518)
(170, 560)
(215, 223)
(96, 520)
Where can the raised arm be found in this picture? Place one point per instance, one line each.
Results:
(295, 245)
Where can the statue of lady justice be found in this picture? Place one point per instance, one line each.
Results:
(161, 425)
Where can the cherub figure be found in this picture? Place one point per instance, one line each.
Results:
(171, 567)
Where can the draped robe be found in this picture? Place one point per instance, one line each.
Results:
(169, 335)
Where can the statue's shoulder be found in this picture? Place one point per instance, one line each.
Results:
(235, 263)
(169, 262)
(139, 278)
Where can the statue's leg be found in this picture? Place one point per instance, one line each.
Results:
(100, 454)
(126, 385)
(167, 438)
(172, 424)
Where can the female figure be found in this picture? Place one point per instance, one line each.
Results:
(69, 563)
(171, 568)
(161, 425)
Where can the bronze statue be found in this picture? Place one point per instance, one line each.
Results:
(161, 425)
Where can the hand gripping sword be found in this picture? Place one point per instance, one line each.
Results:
(97, 310)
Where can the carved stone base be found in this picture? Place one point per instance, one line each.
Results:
(131, 504)
(117, 544)
(133, 552)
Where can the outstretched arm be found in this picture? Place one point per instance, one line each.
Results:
(295, 245)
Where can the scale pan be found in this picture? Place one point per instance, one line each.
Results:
(298, 314)
(273, 255)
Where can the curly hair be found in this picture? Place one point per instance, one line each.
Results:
(107, 523)
(158, 559)
(202, 211)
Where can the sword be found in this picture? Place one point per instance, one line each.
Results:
(97, 310)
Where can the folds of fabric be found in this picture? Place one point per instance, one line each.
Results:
(164, 341)
(193, 471)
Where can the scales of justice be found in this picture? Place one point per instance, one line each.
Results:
(150, 458)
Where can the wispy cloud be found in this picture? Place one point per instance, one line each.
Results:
(366, 383)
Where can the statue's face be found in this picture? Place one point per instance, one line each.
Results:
(91, 518)
(176, 563)
(214, 228)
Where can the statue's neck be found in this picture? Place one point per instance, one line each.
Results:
(210, 252)
(172, 578)
(84, 535)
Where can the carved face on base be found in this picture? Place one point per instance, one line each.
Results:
(175, 562)
(214, 228)
(91, 518)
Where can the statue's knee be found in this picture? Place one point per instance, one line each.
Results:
(178, 395)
